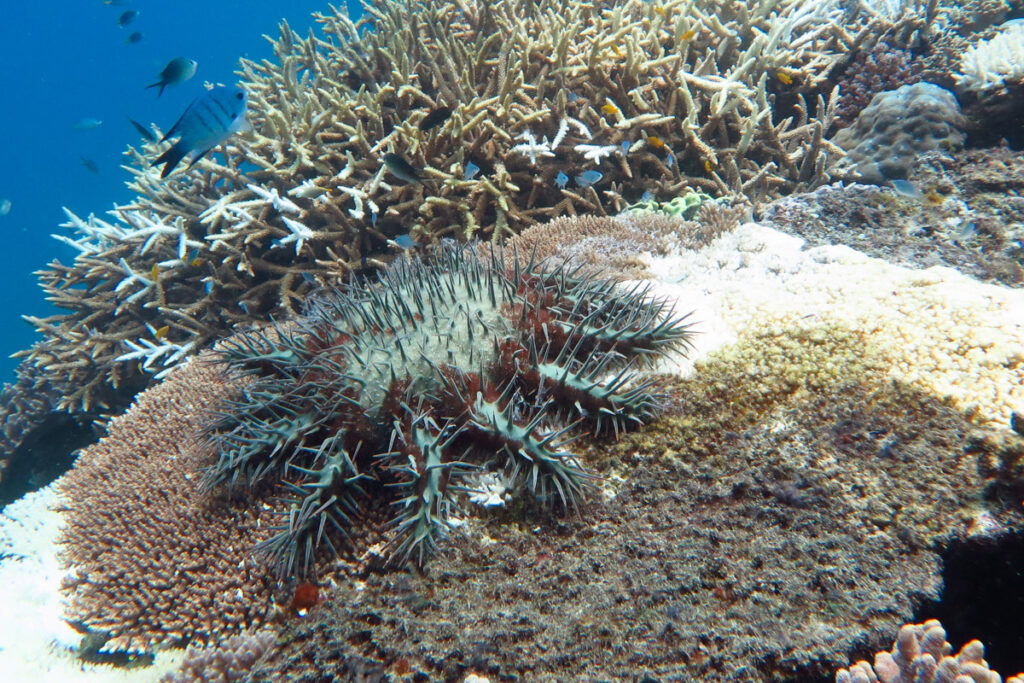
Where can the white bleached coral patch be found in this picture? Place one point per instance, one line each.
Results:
(994, 63)
(936, 328)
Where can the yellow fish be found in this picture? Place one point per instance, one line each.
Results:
(688, 34)
(707, 165)
(154, 272)
(610, 109)
(655, 142)
(784, 77)
(161, 332)
(616, 50)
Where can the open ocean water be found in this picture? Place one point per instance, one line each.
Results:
(65, 62)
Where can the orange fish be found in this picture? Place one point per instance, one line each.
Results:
(655, 142)
(688, 34)
(707, 166)
(660, 10)
(784, 77)
(610, 109)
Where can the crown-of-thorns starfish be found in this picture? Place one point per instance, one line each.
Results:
(439, 370)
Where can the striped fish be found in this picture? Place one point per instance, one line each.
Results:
(211, 119)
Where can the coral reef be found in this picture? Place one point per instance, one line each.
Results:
(888, 135)
(791, 509)
(883, 68)
(969, 216)
(229, 662)
(996, 63)
(1001, 457)
(152, 562)
(920, 654)
(720, 96)
(445, 372)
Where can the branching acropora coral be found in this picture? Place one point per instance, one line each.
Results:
(420, 383)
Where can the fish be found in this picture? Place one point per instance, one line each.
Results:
(90, 165)
(610, 109)
(401, 169)
(471, 171)
(435, 117)
(784, 78)
(161, 332)
(656, 142)
(404, 242)
(135, 37)
(146, 133)
(208, 121)
(178, 70)
(87, 124)
(626, 144)
(907, 189)
(688, 34)
(5, 207)
(561, 179)
(588, 178)
(127, 17)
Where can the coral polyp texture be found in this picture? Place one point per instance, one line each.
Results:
(440, 376)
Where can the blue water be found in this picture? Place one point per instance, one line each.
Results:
(67, 60)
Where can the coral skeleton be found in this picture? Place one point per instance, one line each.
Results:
(424, 382)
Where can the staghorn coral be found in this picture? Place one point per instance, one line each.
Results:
(535, 88)
(442, 373)
(920, 654)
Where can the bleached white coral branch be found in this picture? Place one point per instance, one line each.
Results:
(168, 353)
(96, 234)
(994, 63)
(531, 148)
(596, 152)
(300, 233)
(271, 196)
(563, 128)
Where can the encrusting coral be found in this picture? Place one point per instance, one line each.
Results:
(718, 95)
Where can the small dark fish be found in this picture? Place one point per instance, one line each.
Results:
(211, 119)
(127, 17)
(91, 165)
(146, 133)
(401, 169)
(435, 117)
(135, 37)
(178, 70)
